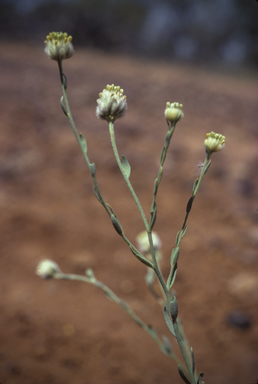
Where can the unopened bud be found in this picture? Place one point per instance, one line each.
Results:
(214, 142)
(47, 269)
(173, 112)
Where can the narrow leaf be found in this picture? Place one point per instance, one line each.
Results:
(174, 255)
(183, 376)
(163, 156)
(168, 321)
(207, 167)
(93, 169)
(193, 360)
(189, 204)
(195, 185)
(63, 106)
(152, 330)
(153, 218)
(111, 209)
(64, 81)
(173, 308)
(126, 166)
(83, 143)
(96, 194)
(199, 381)
(167, 344)
(172, 279)
(140, 257)
(117, 225)
(156, 184)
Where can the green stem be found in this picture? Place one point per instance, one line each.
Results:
(92, 280)
(70, 118)
(184, 354)
(129, 185)
(169, 135)
(207, 159)
(156, 267)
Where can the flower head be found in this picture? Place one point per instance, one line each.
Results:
(59, 46)
(47, 269)
(173, 112)
(143, 242)
(214, 142)
(111, 103)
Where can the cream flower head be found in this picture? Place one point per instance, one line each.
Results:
(111, 103)
(143, 242)
(47, 269)
(214, 142)
(59, 46)
(173, 112)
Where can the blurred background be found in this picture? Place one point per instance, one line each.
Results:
(200, 53)
(203, 31)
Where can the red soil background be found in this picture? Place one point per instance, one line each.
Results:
(48, 210)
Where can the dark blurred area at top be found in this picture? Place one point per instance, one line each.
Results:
(201, 31)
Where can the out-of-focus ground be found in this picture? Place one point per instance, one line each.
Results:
(69, 332)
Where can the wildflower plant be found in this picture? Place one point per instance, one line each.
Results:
(111, 105)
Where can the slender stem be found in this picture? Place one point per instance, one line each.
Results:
(129, 185)
(184, 354)
(70, 117)
(92, 280)
(156, 267)
(171, 130)
(194, 193)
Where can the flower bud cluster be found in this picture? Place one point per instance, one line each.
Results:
(59, 46)
(173, 112)
(214, 142)
(111, 103)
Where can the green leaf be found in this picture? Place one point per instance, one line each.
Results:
(163, 156)
(183, 376)
(156, 184)
(93, 169)
(152, 330)
(111, 209)
(207, 167)
(195, 185)
(83, 143)
(97, 195)
(189, 204)
(172, 278)
(63, 106)
(199, 381)
(168, 321)
(167, 344)
(140, 257)
(173, 308)
(153, 218)
(174, 255)
(193, 360)
(117, 225)
(126, 166)
(167, 139)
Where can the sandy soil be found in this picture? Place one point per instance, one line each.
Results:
(48, 210)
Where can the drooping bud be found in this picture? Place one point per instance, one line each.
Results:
(173, 112)
(214, 142)
(59, 46)
(47, 269)
(111, 103)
